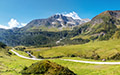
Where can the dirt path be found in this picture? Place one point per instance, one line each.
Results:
(90, 62)
(24, 56)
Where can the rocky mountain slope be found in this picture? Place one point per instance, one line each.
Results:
(57, 22)
(102, 26)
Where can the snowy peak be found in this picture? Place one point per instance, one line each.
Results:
(73, 14)
(57, 21)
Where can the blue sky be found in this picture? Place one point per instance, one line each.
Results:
(23, 11)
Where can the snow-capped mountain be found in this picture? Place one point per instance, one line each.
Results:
(73, 15)
(59, 21)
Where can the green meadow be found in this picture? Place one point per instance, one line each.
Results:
(12, 64)
(109, 50)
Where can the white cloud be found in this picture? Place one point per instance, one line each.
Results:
(23, 24)
(4, 27)
(13, 23)
(73, 14)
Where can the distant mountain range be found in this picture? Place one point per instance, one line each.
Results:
(56, 22)
(46, 32)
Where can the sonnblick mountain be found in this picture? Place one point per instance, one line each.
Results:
(56, 22)
(40, 32)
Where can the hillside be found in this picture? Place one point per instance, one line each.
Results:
(102, 26)
(12, 65)
(98, 50)
(46, 67)
(4, 50)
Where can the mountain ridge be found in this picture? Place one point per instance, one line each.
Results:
(101, 27)
(58, 22)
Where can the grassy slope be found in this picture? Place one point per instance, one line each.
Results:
(22, 53)
(90, 69)
(44, 28)
(80, 36)
(105, 49)
(47, 68)
(13, 65)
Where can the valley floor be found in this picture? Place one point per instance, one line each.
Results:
(13, 65)
(80, 61)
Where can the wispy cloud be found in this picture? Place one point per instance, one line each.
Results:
(13, 23)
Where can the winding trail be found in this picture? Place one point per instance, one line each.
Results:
(24, 56)
(89, 62)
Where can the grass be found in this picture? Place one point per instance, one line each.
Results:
(22, 53)
(83, 59)
(37, 49)
(90, 69)
(81, 36)
(52, 29)
(105, 49)
(46, 67)
(12, 65)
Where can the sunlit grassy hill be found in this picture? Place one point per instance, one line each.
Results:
(13, 65)
(93, 50)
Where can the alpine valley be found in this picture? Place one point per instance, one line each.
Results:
(63, 45)
(43, 32)
(61, 29)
